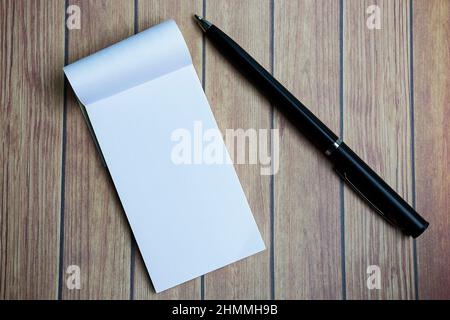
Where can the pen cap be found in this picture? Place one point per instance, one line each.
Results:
(376, 192)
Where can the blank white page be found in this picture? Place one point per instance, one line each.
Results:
(188, 220)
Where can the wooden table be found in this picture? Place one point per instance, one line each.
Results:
(387, 92)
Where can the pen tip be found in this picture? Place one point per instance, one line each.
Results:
(203, 23)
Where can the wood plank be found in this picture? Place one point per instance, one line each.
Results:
(377, 126)
(31, 100)
(150, 13)
(307, 194)
(431, 51)
(96, 234)
(237, 105)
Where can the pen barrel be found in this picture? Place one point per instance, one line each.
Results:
(347, 164)
(376, 192)
(305, 121)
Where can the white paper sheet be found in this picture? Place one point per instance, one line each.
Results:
(188, 220)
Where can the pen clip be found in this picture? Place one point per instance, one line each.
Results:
(345, 177)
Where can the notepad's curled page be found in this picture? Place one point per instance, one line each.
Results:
(146, 105)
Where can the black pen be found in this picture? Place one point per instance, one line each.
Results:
(347, 164)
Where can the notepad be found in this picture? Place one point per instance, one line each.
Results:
(187, 219)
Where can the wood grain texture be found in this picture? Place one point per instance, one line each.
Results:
(307, 192)
(377, 126)
(431, 47)
(237, 105)
(41, 147)
(96, 234)
(152, 12)
(31, 102)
